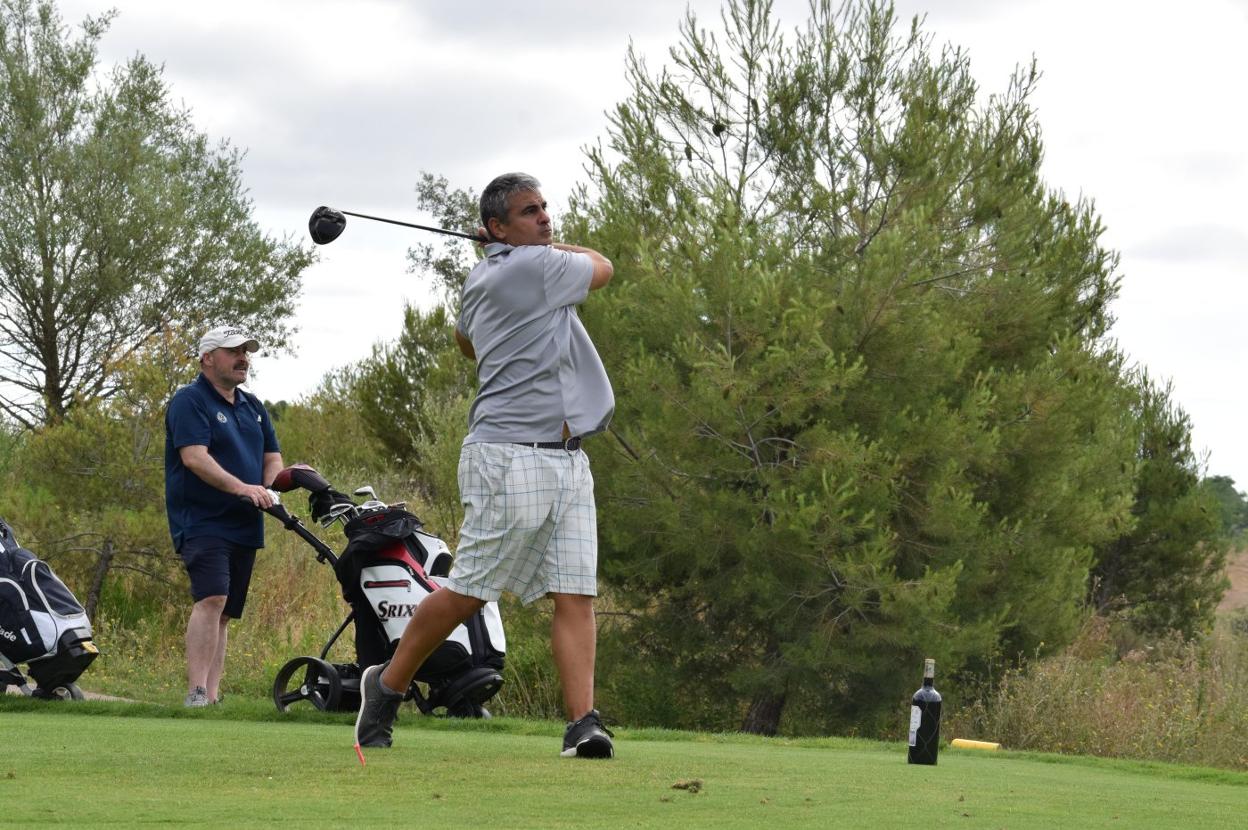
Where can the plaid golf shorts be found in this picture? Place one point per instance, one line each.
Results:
(529, 523)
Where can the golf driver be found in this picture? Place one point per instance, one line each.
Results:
(327, 224)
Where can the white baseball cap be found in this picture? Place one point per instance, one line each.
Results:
(227, 337)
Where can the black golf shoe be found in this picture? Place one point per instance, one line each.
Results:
(378, 708)
(588, 738)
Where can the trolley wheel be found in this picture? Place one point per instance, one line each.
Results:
(310, 679)
(65, 691)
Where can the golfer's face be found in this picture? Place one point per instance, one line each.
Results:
(227, 367)
(527, 223)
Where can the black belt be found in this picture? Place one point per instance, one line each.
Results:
(571, 445)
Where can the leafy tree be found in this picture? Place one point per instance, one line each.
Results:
(325, 429)
(449, 262)
(1168, 572)
(90, 493)
(1232, 504)
(117, 220)
(402, 382)
(10, 440)
(863, 410)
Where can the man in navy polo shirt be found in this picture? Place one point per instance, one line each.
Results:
(220, 453)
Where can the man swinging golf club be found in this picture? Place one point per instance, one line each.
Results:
(529, 517)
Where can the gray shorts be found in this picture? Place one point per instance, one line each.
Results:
(530, 526)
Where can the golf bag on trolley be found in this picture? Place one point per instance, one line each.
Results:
(41, 625)
(390, 564)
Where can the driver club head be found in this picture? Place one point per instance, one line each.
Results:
(326, 225)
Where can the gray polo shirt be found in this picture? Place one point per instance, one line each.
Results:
(536, 366)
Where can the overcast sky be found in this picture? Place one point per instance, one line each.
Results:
(345, 103)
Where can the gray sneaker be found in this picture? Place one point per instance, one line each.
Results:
(378, 708)
(197, 698)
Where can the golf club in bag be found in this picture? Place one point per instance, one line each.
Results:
(389, 565)
(41, 625)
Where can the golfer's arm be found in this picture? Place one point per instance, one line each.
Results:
(465, 345)
(199, 462)
(603, 269)
(272, 466)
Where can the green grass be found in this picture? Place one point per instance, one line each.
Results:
(100, 764)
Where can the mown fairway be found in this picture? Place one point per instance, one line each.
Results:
(110, 764)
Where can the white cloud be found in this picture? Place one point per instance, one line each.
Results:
(1196, 246)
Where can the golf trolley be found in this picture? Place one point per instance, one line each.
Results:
(389, 565)
(41, 624)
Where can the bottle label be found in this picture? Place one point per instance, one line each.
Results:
(916, 717)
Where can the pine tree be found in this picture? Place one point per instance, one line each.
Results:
(863, 410)
(1168, 572)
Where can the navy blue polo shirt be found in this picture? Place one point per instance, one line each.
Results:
(237, 436)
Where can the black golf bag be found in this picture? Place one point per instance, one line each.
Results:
(41, 625)
(390, 564)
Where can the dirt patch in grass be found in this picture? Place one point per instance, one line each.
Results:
(1236, 596)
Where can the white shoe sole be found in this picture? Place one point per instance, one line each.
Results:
(596, 750)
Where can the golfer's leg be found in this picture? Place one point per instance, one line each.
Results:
(202, 630)
(573, 639)
(432, 623)
(217, 669)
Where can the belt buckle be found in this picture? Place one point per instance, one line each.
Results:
(572, 444)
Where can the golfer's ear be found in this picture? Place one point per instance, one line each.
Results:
(496, 229)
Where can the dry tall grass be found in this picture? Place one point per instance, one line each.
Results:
(1173, 701)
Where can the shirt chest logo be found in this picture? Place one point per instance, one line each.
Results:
(221, 416)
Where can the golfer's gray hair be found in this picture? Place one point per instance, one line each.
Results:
(494, 197)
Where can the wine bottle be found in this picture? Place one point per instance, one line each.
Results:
(925, 719)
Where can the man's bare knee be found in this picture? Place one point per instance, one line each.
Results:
(211, 607)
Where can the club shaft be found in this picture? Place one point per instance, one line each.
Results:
(473, 237)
